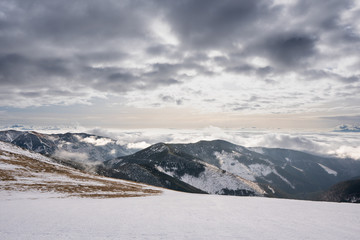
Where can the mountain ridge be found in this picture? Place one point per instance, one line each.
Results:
(215, 167)
(76, 146)
(178, 165)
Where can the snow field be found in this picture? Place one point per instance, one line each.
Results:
(174, 215)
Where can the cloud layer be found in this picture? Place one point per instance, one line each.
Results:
(342, 145)
(336, 144)
(230, 56)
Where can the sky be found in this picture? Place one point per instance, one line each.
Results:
(180, 64)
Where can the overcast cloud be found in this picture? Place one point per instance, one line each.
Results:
(229, 56)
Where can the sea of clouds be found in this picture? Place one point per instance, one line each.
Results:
(331, 143)
(338, 144)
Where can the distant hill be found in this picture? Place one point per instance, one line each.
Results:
(347, 128)
(163, 165)
(219, 167)
(347, 191)
(80, 147)
(290, 173)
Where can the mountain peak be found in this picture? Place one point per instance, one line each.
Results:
(159, 147)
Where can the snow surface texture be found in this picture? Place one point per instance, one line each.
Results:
(174, 215)
(17, 150)
(229, 163)
(214, 181)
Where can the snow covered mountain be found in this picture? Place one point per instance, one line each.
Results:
(220, 167)
(216, 167)
(289, 173)
(163, 165)
(79, 147)
(25, 171)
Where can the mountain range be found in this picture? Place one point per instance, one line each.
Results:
(215, 167)
(73, 146)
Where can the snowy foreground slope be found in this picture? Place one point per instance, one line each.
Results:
(174, 215)
(25, 171)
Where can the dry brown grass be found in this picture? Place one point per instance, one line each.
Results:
(32, 174)
(6, 175)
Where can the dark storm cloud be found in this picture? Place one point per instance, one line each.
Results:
(16, 69)
(291, 49)
(166, 70)
(25, 72)
(59, 47)
(114, 79)
(287, 36)
(47, 45)
(212, 23)
(223, 24)
(162, 50)
(73, 22)
(101, 56)
(47, 28)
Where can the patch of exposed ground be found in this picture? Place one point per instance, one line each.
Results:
(22, 173)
